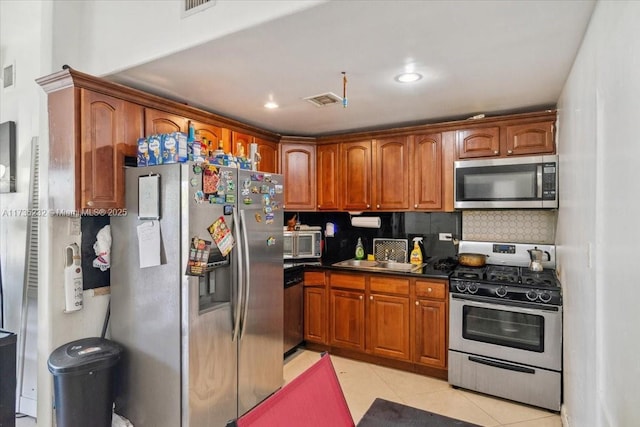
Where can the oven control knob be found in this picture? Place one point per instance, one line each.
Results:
(501, 291)
(532, 295)
(545, 297)
(461, 286)
(473, 288)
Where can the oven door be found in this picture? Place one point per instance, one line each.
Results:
(519, 332)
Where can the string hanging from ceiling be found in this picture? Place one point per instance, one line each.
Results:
(344, 89)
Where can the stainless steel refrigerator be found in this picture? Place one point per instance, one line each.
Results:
(205, 347)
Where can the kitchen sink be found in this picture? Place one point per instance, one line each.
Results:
(378, 265)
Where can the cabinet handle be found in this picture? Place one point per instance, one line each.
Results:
(360, 297)
(378, 206)
(509, 151)
(417, 303)
(89, 203)
(318, 206)
(368, 206)
(429, 289)
(415, 206)
(495, 152)
(371, 297)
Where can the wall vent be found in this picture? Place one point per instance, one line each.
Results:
(324, 99)
(195, 6)
(8, 76)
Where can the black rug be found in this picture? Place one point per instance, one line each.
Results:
(383, 413)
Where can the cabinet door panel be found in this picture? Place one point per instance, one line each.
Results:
(480, 142)
(209, 133)
(356, 175)
(347, 319)
(389, 322)
(315, 314)
(100, 164)
(531, 138)
(268, 152)
(391, 173)
(299, 170)
(156, 122)
(328, 183)
(427, 171)
(103, 132)
(431, 340)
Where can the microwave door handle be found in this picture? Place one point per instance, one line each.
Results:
(539, 181)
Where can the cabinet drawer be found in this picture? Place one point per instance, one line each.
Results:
(314, 278)
(389, 285)
(348, 281)
(437, 290)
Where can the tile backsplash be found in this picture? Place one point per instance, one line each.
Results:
(515, 226)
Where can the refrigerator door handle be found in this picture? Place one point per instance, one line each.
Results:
(239, 279)
(247, 280)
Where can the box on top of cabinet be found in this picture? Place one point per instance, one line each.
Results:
(174, 147)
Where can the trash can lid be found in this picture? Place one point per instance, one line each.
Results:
(84, 355)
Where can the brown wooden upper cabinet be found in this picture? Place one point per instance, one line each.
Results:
(530, 138)
(156, 121)
(478, 142)
(238, 140)
(328, 184)
(298, 163)
(109, 129)
(268, 152)
(426, 171)
(356, 175)
(210, 134)
(391, 176)
(506, 139)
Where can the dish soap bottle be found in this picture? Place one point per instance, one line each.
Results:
(359, 249)
(416, 253)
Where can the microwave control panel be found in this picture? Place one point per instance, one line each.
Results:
(549, 181)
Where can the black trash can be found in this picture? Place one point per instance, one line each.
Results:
(83, 381)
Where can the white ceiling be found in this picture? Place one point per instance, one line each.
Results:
(476, 57)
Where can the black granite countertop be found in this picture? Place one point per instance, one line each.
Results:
(428, 270)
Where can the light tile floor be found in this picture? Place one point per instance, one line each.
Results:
(363, 382)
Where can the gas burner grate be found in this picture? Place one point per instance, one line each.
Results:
(445, 264)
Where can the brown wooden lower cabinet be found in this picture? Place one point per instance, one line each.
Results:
(389, 325)
(430, 337)
(397, 321)
(347, 320)
(315, 315)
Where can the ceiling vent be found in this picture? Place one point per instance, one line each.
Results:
(324, 99)
(195, 6)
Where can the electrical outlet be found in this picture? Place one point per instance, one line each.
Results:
(445, 237)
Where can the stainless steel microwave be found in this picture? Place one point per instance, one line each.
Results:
(527, 182)
(303, 243)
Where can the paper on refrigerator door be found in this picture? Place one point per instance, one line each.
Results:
(149, 243)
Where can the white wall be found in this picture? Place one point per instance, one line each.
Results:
(106, 29)
(598, 225)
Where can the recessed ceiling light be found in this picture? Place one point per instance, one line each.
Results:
(408, 77)
(271, 105)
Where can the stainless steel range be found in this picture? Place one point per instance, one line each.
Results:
(505, 328)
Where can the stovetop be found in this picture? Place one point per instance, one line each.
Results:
(508, 276)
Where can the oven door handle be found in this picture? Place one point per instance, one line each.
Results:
(502, 365)
(496, 303)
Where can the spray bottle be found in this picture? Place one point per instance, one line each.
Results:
(416, 253)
